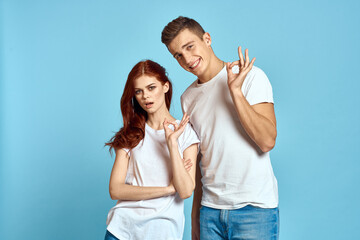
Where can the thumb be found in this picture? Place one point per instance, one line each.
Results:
(165, 123)
(228, 67)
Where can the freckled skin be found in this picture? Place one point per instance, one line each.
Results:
(149, 89)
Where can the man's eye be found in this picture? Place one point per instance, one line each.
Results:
(190, 46)
(151, 88)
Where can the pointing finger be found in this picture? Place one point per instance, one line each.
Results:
(234, 63)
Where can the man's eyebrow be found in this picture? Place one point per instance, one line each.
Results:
(186, 44)
(182, 47)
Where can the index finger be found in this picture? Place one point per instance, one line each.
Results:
(234, 63)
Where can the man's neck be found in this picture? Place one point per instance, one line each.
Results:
(214, 68)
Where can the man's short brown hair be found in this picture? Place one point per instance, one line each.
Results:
(174, 27)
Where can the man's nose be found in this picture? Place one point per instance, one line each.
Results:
(187, 58)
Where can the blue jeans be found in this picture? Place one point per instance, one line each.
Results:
(245, 223)
(109, 236)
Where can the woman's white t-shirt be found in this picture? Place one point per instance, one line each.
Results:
(149, 166)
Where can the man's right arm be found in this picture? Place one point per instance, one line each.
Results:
(195, 213)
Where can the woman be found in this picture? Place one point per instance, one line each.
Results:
(149, 178)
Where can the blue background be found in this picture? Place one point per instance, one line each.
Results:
(63, 68)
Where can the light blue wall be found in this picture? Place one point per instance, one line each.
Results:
(63, 68)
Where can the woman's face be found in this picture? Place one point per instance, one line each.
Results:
(150, 93)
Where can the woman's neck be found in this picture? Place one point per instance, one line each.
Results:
(155, 120)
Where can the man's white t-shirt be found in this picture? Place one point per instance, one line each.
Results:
(149, 166)
(235, 172)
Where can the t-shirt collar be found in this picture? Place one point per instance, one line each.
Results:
(220, 74)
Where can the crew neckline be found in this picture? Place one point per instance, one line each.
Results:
(213, 80)
(150, 129)
(147, 127)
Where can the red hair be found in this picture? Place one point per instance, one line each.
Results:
(134, 116)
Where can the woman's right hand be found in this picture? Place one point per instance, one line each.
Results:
(171, 188)
(173, 135)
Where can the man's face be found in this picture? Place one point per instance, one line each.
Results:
(192, 53)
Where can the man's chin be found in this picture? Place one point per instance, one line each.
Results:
(196, 73)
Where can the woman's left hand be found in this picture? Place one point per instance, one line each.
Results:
(173, 135)
(187, 164)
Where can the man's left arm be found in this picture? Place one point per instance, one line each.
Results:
(258, 120)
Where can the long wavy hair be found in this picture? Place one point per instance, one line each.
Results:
(134, 116)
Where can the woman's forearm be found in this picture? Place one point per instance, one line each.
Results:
(182, 180)
(123, 191)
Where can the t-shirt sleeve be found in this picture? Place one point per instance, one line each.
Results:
(127, 150)
(188, 138)
(257, 87)
(182, 101)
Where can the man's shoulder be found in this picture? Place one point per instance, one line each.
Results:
(256, 70)
(188, 90)
(256, 74)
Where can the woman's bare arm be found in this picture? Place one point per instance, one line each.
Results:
(119, 190)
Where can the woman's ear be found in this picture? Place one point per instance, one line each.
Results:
(166, 87)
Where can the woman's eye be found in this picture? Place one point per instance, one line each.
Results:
(137, 92)
(151, 88)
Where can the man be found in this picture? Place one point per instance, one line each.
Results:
(232, 112)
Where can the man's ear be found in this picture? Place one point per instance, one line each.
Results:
(166, 87)
(207, 39)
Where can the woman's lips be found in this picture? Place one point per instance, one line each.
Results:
(149, 105)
